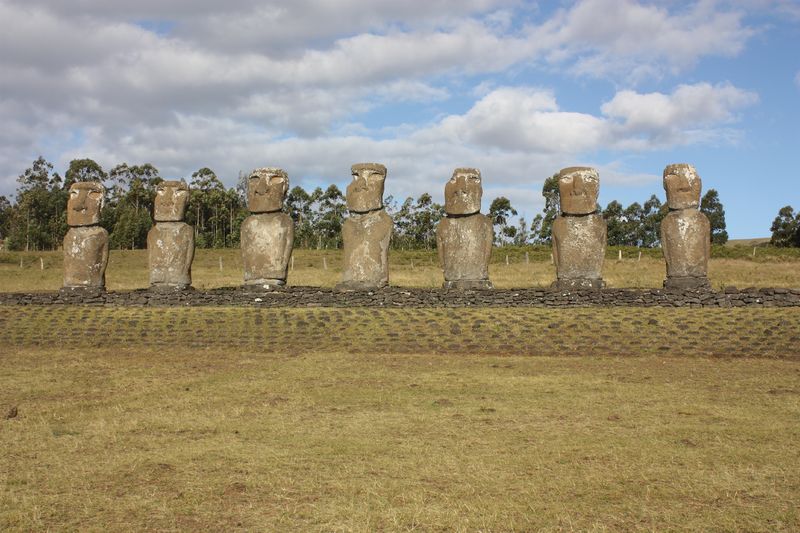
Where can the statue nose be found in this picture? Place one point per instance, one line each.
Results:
(577, 186)
(261, 188)
(80, 203)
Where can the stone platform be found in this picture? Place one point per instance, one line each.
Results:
(416, 297)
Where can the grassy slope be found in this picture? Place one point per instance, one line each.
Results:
(387, 419)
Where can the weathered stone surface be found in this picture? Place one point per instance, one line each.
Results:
(462, 194)
(685, 231)
(366, 250)
(85, 257)
(686, 242)
(683, 186)
(86, 243)
(579, 247)
(578, 188)
(365, 192)
(266, 242)
(267, 237)
(85, 203)
(464, 245)
(170, 249)
(579, 234)
(464, 237)
(367, 232)
(170, 242)
(171, 200)
(266, 190)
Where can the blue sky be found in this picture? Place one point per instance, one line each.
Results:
(517, 89)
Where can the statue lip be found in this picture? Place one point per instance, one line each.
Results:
(365, 212)
(462, 215)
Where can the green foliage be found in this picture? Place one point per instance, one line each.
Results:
(83, 170)
(130, 229)
(500, 211)
(38, 220)
(331, 210)
(5, 217)
(617, 228)
(552, 200)
(786, 228)
(635, 225)
(133, 192)
(214, 211)
(712, 207)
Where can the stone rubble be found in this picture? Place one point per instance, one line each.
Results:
(397, 297)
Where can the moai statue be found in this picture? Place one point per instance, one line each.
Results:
(86, 243)
(170, 242)
(579, 232)
(464, 236)
(685, 231)
(268, 234)
(367, 231)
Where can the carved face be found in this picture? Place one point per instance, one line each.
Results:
(171, 200)
(365, 192)
(462, 194)
(266, 189)
(84, 204)
(578, 188)
(683, 186)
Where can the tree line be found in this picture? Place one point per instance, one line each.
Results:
(36, 219)
(786, 228)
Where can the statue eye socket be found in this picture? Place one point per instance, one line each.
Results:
(95, 195)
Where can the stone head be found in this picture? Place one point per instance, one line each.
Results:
(462, 194)
(683, 186)
(266, 190)
(365, 192)
(85, 203)
(578, 188)
(172, 197)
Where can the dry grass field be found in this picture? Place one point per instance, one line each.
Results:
(247, 419)
(128, 269)
(200, 419)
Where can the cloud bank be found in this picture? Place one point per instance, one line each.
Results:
(314, 86)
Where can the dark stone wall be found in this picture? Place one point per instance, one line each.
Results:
(415, 297)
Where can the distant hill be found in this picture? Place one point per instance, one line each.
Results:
(748, 242)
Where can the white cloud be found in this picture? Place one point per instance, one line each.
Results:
(248, 83)
(690, 114)
(797, 79)
(523, 119)
(641, 41)
(517, 136)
